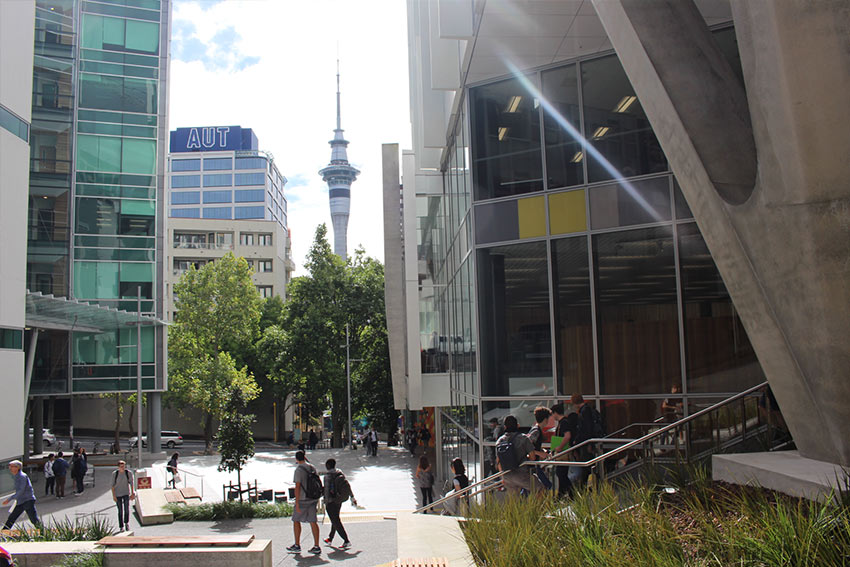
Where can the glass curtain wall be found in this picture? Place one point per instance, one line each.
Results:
(591, 275)
(119, 90)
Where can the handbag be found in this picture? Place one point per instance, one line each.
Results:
(176, 477)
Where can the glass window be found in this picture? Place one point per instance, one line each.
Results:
(192, 213)
(495, 222)
(250, 179)
(185, 165)
(246, 239)
(250, 163)
(14, 124)
(249, 195)
(573, 317)
(118, 34)
(522, 410)
(217, 212)
(118, 93)
(98, 153)
(96, 280)
(562, 129)
(506, 156)
(630, 202)
(264, 239)
(218, 180)
(138, 156)
(142, 36)
(265, 291)
(515, 335)
(621, 139)
(185, 197)
(180, 181)
(637, 319)
(683, 211)
(264, 265)
(12, 339)
(212, 164)
(218, 196)
(250, 212)
(718, 353)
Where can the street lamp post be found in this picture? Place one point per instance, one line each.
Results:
(348, 382)
(139, 372)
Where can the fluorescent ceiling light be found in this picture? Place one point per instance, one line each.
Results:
(577, 158)
(601, 131)
(513, 103)
(502, 133)
(625, 103)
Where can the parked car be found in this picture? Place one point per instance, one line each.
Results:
(169, 439)
(48, 437)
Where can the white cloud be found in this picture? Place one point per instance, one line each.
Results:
(288, 96)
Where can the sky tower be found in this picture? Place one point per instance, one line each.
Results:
(339, 175)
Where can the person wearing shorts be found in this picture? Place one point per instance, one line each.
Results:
(305, 508)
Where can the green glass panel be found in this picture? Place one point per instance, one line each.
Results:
(114, 370)
(129, 242)
(85, 278)
(98, 190)
(96, 348)
(132, 272)
(110, 154)
(95, 280)
(128, 337)
(113, 32)
(142, 36)
(92, 35)
(139, 156)
(12, 339)
(87, 152)
(139, 96)
(116, 179)
(114, 254)
(120, 11)
(98, 128)
(113, 385)
(134, 207)
(139, 192)
(139, 131)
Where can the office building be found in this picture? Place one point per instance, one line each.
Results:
(557, 232)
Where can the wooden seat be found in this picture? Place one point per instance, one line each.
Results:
(178, 541)
(189, 493)
(174, 497)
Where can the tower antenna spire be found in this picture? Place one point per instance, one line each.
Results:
(338, 119)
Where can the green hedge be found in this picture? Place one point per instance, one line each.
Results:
(228, 511)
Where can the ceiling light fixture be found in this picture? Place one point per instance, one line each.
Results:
(502, 133)
(513, 103)
(577, 157)
(601, 131)
(625, 103)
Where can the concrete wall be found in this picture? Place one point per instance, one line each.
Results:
(766, 175)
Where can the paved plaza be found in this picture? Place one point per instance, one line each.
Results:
(382, 485)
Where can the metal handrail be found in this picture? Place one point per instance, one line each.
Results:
(627, 444)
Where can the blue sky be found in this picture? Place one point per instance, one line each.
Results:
(270, 65)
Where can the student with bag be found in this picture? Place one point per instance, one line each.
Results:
(512, 449)
(122, 493)
(535, 435)
(172, 468)
(425, 480)
(337, 491)
(308, 490)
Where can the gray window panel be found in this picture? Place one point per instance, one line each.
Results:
(629, 203)
(182, 181)
(186, 165)
(637, 311)
(250, 163)
(496, 222)
(683, 211)
(218, 197)
(217, 212)
(218, 180)
(250, 179)
(506, 156)
(564, 167)
(250, 212)
(185, 197)
(213, 164)
(249, 195)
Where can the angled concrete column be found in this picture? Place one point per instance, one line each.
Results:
(768, 181)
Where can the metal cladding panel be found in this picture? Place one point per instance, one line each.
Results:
(212, 139)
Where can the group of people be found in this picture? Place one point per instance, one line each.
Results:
(424, 478)
(513, 448)
(413, 436)
(56, 470)
(370, 439)
(309, 489)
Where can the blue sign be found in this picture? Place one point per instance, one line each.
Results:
(212, 139)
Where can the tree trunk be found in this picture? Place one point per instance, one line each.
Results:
(239, 481)
(118, 412)
(208, 426)
(339, 415)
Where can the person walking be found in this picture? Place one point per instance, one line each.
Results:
(459, 482)
(425, 480)
(49, 477)
(122, 493)
(337, 491)
(512, 449)
(171, 467)
(78, 471)
(305, 503)
(312, 439)
(412, 441)
(373, 441)
(566, 429)
(535, 435)
(24, 497)
(60, 471)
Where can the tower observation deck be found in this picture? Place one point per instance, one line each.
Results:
(339, 175)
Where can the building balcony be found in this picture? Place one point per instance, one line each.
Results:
(203, 246)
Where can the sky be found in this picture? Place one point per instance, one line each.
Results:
(270, 65)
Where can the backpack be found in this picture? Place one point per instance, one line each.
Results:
(506, 453)
(426, 435)
(590, 425)
(313, 489)
(340, 489)
(115, 476)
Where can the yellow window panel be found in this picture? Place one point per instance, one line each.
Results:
(532, 217)
(567, 212)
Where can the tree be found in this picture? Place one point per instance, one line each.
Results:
(212, 337)
(119, 400)
(236, 439)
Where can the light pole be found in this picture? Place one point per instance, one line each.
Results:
(139, 372)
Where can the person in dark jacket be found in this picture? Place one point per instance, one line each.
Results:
(60, 470)
(336, 482)
(78, 471)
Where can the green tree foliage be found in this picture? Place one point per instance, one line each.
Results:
(235, 437)
(212, 337)
(313, 329)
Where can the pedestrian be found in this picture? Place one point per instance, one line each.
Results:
(60, 470)
(425, 437)
(373, 441)
(512, 449)
(78, 471)
(566, 430)
(425, 480)
(589, 425)
(24, 497)
(49, 477)
(122, 493)
(496, 431)
(306, 500)
(535, 435)
(171, 467)
(312, 439)
(459, 482)
(337, 491)
(412, 441)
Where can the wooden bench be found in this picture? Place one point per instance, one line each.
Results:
(174, 497)
(177, 541)
(190, 493)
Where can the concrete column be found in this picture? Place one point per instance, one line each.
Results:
(780, 238)
(154, 421)
(37, 421)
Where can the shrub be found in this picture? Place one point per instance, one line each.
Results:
(229, 511)
(92, 528)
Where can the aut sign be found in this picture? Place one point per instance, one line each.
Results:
(207, 139)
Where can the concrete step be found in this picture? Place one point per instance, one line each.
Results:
(429, 540)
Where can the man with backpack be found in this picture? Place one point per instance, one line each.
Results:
(589, 425)
(308, 490)
(337, 491)
(122, 493)
(512, 449)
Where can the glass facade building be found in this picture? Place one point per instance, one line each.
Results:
(97, 183)
(561, 258)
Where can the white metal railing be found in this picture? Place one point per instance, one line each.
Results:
(203, 245)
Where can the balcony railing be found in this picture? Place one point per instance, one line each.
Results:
(203, 246)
